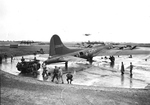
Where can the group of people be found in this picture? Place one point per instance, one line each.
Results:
(57, 74)
(123, 69)
(5, 56)
(112, 61)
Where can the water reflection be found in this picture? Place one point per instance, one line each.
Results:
(122, 79)
(131, 81)
(112, 64)
(125, 81)
(10, 66)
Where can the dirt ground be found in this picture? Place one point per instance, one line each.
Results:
(17, 90)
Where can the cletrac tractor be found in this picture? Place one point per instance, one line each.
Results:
(29, 67)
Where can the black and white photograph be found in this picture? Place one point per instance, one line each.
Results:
(75, 52)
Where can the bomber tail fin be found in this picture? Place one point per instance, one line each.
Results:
(57, 47)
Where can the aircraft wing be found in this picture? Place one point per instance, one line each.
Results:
(72, 58)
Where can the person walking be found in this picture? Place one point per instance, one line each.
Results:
(44, 74)
(55, 74)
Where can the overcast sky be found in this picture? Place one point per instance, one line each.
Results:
(105, 20)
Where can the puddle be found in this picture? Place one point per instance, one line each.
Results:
(100, 74)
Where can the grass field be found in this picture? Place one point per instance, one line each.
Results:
(31, 49)
(26, 50)
(23, 50)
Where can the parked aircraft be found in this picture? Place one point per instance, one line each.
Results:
(124, 47)
(60, 53)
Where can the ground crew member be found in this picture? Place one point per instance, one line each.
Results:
(112, 59)
(5, 56)
(44, 71)
(60, 75)
(105, 57)
(22, 59)
(11, 58)
(130, 56)
(131, 68)
(34, 58)
(0, 59)
(55, 74)
(69, 78)
(122, 68)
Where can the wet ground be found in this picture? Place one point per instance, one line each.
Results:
(102, 74)
(99, 74)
